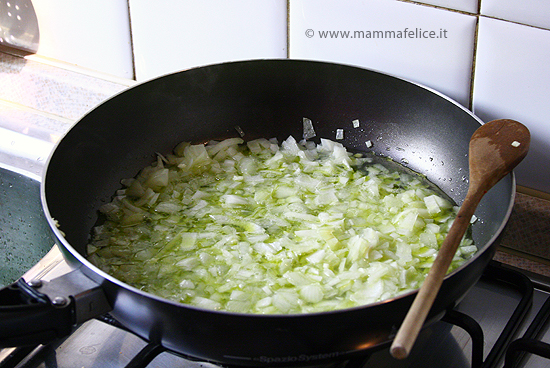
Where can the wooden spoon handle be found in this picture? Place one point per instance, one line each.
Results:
(406, 336)
(495, 149)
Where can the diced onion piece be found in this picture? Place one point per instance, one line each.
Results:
(308, 130)
(267, 228)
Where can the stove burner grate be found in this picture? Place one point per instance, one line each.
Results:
(528, 343)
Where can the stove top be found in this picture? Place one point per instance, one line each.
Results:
(493, 326)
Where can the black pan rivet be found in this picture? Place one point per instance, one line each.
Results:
(35, 284)
(59, 301)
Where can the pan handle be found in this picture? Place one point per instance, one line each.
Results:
(38, 312)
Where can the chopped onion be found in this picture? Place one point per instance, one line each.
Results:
(258, 227)
(308, 130)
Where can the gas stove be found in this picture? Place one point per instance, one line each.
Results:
(501, 322)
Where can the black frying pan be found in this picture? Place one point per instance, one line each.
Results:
(266, 98)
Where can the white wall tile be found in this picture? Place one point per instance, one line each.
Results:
(93, 34)
(170, 36)
(469, 6)
(512, 80)
(531, 12)
(442, 63)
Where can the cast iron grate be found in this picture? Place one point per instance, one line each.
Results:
(529, 343)
(522, 284)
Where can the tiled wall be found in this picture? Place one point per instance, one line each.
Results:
(491, 55)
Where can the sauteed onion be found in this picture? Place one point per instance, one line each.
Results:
(259, 227)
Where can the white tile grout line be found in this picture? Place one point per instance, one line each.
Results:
(513, 22)
(473, 68)
(442, 7)
(477, 14)
(133, 56)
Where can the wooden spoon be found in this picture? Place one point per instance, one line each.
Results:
(495, 149)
